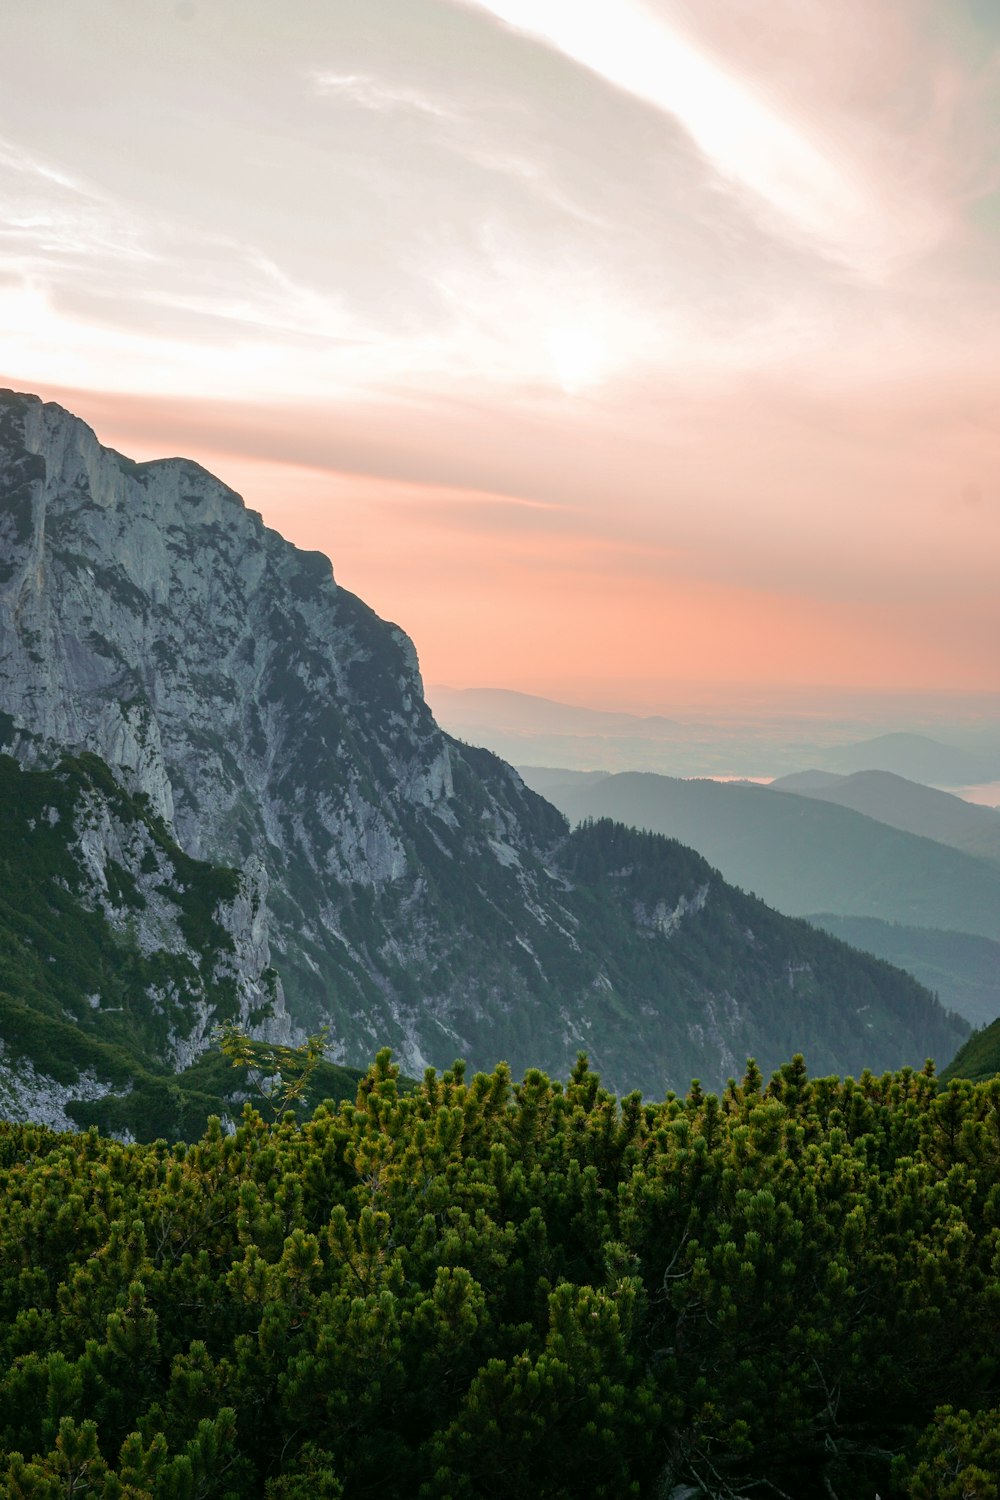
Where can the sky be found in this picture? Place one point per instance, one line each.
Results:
(605, 345)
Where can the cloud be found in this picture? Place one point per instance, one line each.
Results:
(50, 217)
(698, 317)
(819, 191)
(752, 552)
(367, 92)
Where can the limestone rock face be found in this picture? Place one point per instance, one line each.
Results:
(120, 953)
(27, 1094)
(409, 889)
(146, 615)
(134, 880)
(150, 617)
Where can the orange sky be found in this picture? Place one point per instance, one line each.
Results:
(597, 355)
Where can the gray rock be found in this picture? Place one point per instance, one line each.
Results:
(410, 889)
(146, 615)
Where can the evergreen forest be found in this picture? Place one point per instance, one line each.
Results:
(475, 1287)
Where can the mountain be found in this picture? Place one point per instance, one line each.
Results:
(806, 782)
(502, 708)
(522, 727)
(978, 1058)
(916, 757)
(803, 855)
(541, 778)
(905, 804)
(418, 894)
(962, 969)
(119, 954)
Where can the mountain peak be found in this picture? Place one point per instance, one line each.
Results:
(418, 893)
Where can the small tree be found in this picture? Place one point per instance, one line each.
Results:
(279, 1076)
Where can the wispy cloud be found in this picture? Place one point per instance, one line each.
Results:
(50, 215)
(254, 293)
(14, 158)
(684, 275)
(809, 182)
(367, 92)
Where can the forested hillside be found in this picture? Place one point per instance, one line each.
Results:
(979, 1057)
(120, 955)
(488, 1289)
(801, 854)
(961, 968)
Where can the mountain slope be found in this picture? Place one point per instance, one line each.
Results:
(803, 855)
(418, 893)
(724, 944)
(118, 954)
(978, 1058)
(923, 810)
(916, 757)
(963, 969)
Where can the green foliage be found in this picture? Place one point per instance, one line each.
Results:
(280, 1076)
(979, 1058)
(481, 1288)
(958, 1458)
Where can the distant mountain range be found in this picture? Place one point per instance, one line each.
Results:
(538, 731)
(802, 854)
(483, 707)
(805, 854)
(916, 757)
(904, 804)
(411, 890)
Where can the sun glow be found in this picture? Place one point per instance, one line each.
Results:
(579, 358)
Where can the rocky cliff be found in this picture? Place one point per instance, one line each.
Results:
(119, 953)
(418, 894)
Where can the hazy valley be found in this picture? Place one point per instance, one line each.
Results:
(695, 776)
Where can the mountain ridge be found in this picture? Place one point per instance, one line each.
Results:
(802, 853)
(908, 805)
(962, 968)
(419, 894)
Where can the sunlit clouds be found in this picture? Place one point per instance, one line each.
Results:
(659, 334)
(370, 93)
(818, 190)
